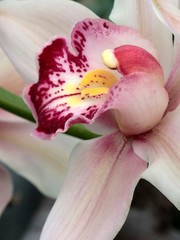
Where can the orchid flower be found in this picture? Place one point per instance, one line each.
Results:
(111, 78)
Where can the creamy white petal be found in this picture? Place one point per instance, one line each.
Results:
(173, 85)
(42, 163)
(169, 13)
(9, 78)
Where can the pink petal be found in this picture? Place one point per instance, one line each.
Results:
(26, 25)
(134, 99)
(5, 189)
(160, 148)
(61, 72)
(137, 14)
(104, 124)
(42, 163)
(97, 193)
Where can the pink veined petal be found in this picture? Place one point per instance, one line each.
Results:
(26, 25)
(61, 71)
(42, 163)
(173, 86)
(160, 148)
(134, 99)
(169, 13)
(6, 189)
(136, 14)
(9, 78)
(97, 193)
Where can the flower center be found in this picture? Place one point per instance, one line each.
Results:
(96, 83)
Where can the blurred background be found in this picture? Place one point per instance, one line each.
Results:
(151, 215)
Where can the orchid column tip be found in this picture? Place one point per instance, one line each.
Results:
(109, 59)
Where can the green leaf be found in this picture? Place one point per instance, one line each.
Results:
(15, 104)
(101, 7)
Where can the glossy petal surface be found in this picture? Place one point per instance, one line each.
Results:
(97, 193)
(161, 149)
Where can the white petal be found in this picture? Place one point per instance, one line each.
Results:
(96, 196)
(161, 148)
(25, 26)
(173, 85)
(169, 13)
(42, 163)
(9, 78)
(140, 15)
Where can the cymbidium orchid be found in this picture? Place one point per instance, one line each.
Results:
(109, 77)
